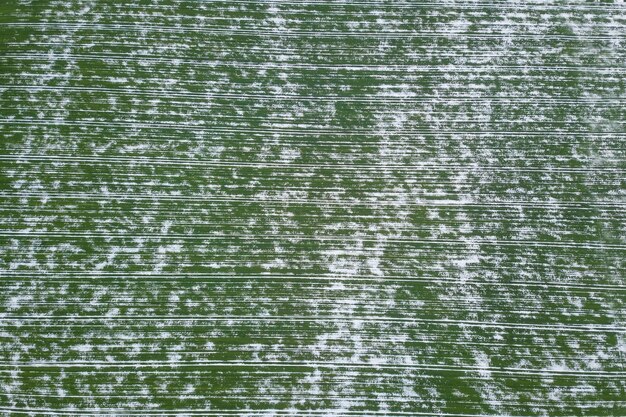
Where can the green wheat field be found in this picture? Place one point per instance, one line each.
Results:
(312, 208)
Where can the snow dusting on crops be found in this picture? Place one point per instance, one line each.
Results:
(312, 208)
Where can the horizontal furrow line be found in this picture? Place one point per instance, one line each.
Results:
(381, 6)
(200, 127)
(340, 52)
(289, 33)
(191, 278)
(300, 237)
(448, 68)
(69, 320)
(280, 165)
(439, 202)
(335, 412)
(310, 364)
(77, 216)
(193, 118)
(379, 98)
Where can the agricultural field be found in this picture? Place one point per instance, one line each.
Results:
(312, 208)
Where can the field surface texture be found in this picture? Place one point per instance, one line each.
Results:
(312, 208)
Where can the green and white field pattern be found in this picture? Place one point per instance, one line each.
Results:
(312, 208)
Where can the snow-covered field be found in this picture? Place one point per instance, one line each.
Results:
(312, 208)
